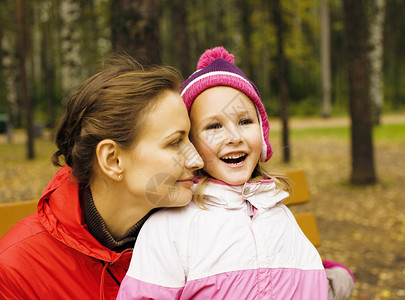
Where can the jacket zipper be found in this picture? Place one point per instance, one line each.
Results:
(111, 274)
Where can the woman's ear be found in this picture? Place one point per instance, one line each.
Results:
(108, 159)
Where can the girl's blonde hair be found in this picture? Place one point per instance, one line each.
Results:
(262, 170)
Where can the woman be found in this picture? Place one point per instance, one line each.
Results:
(124, 139)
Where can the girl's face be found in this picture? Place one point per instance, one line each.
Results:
(226, 133)
(161, 163)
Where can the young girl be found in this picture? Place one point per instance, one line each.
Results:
(237, 240)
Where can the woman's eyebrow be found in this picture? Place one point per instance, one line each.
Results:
(177, 132)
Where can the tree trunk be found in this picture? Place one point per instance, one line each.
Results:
(356, 37)
(135, 29)
(3, 87)
(376, 58)
(282, 81)
(181, 42)
(48, 70)
(22, 46)
(246, 32)
(325, 59)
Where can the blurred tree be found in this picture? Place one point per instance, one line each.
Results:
(3, 87)
(22, 51)
(394, 58)
(8, 67)
(246, 12)
(339, 83)
(356, 37)
(181, 42)
(376, 21)
(325, 60)
(281, 76)
(135, 29)
(301, 48)
(48, 54)
(70, 46)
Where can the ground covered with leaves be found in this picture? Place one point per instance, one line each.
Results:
(362, 227)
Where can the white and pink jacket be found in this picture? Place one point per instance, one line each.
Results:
(245, 245)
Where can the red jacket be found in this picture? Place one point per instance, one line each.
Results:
(51, 255)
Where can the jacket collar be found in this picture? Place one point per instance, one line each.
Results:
(60, 212)
(263, 194)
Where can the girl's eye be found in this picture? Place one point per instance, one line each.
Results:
(245, 122)
(214, 126)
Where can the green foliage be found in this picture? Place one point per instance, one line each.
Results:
(69, 37)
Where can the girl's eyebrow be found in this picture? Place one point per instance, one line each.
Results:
(211, 118)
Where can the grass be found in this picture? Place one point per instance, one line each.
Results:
(330, 132)
(20, 178)
(386, 132)
(390, 132)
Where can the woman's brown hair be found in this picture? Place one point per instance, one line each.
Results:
(109, 105)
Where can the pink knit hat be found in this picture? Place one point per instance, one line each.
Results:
(216, 67)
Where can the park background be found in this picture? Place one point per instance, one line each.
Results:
(331, 75)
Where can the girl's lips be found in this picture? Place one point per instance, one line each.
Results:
(235, 165)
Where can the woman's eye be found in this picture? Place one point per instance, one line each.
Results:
(245, 122)
(214, 126)
(176, 143)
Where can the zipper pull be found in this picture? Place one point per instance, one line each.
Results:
(250, 209)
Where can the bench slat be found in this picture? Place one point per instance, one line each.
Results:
(11, 213)
(307, 222)
(300, 188)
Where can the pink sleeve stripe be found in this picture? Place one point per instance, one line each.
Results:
(331, 264)
(132, 288)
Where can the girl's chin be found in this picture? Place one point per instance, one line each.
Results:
(236, 180)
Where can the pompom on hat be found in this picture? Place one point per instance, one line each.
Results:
(216, 67)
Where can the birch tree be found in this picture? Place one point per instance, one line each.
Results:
(377, 18)
(325, 59)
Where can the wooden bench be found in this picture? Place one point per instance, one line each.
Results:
(306, 220)
(11, 213)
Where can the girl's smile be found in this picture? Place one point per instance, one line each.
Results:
(234, 160)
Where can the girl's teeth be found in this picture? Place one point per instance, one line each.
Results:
(232, 156)
(234, 159)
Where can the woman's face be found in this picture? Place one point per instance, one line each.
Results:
(159, 167)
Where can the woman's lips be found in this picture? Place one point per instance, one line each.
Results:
(186, 182)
